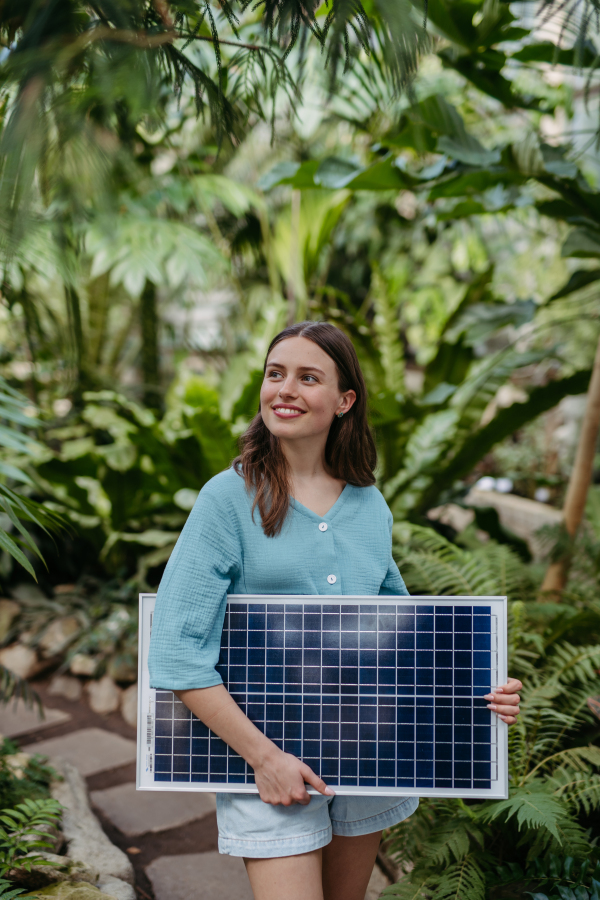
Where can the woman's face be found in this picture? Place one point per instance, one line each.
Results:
(300, 394)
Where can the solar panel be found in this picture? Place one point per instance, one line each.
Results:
(378, 695)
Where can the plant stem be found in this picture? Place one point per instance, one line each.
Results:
(149, 328)
(579, 482)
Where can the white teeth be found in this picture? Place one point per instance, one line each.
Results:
(283, 410)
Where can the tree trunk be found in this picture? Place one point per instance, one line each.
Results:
(76, 328)
(149, 328)
(579, 482)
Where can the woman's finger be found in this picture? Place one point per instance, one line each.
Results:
(503, 709)
(311, 778)
(512, 686)
(510, 699)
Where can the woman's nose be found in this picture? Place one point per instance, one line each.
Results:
(288, 388)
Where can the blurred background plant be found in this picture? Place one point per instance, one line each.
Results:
(179, 182)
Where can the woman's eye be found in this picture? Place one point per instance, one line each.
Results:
(312, 377)
(273, 374)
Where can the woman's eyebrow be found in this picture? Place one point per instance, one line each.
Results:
(311, 369)
(276, 365)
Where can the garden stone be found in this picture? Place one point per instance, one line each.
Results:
(9, 610)
(122, 668)
(56, 869)
(82, 664)
(377, 883)
(91, 750)
(129, 705)
(17, 719)
(199, 876)
(20, 659)
(105, 695)
(138, 812)
(65, 686)
(28, 593)
(58, 634)
(67, 890)
(84, 836)
(118, 889)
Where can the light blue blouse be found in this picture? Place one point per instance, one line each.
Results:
(222, 551)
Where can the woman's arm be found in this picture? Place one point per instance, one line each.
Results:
(280, 777)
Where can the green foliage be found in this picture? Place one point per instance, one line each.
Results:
(7, 892)
(542, 833)
(22, 777)
(21, 824)
(130, 480)
(16, 507)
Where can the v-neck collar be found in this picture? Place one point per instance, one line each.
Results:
(331, 512)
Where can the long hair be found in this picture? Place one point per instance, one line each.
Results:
(350, 450)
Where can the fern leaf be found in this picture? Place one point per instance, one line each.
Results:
(534, 808)
(406, 890)
(462, 881)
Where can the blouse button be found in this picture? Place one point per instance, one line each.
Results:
(322, 526)
(331, 579)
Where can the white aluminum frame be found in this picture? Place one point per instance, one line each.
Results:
(145, 732)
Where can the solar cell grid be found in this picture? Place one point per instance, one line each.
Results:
(383, 696)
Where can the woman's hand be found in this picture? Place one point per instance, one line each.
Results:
(281, 777)
(505, 701)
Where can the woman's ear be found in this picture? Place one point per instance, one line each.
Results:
(347, 402)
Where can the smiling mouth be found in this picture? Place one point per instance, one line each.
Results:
(287, 412)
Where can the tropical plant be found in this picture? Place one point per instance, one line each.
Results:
(20, 825)
(467, 849)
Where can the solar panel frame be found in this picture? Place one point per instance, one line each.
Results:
(431, 706)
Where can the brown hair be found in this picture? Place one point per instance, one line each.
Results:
(350, 449)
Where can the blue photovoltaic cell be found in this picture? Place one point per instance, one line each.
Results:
(378, 695)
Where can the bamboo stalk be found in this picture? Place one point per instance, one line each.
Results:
(579, 482)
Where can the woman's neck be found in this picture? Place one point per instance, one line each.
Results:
(306, 460)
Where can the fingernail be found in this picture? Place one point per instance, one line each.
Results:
(488, 697)
(499, 691)
(491, 706)
(329, 792)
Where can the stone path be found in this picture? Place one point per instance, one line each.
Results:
(170, 838)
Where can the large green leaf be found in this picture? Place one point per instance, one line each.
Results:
(576, 282)
(582, 242)
(505, 422)
(547, 52)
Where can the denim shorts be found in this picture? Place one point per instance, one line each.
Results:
(248, 827)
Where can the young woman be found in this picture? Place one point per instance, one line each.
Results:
(297, 513)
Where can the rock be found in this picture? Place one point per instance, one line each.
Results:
(90, 750)
(82, 664)
(377, 883)
(17, 763)
(83, 833)
(122, 668)
(199, 876)
(65, 686)
(118, 889)
(64, 589)
(105, 695)
(21, 660)
(69, 890)
(129, 705)
(28, 593)
(17, 719)
(9, 610)
(56, 869)
(519, 515)
(58, 635)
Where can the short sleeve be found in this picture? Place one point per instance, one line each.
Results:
(191, 600)
(393, 583)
